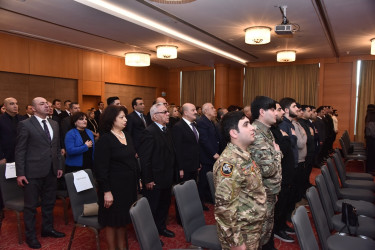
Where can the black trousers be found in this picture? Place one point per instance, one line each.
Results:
(203, 186)
(160, 200)
(45, 189)
(284, 206)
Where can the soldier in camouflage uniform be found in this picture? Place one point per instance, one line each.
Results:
(240, 196)
(267, 155)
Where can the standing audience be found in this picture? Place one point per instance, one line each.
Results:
(115, 169)
(79, 145)
(38, 161)
(92, 124)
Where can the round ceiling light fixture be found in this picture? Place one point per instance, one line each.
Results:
(166, 51)
(258, 35)
(286, 56)
(137, 59)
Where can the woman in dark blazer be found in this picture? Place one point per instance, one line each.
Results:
(79, 145)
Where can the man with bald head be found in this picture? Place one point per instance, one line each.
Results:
(38, 161)
(8, 132)
(209, 142)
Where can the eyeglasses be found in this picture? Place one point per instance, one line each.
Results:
(162, 112)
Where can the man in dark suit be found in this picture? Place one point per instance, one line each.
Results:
(99, 111)
(29, 111)
(321, 128)
(66, 112)
(51, 114)
(186, 142)
(136, 121)
(157, 100)
(56, 107)
(38, 161)
(209, 141)
(8, 133)
(157, 157)
(66, 124)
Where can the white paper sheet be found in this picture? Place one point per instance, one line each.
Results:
(10, 170)
(82, 181)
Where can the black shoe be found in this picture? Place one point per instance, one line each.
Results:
(205, 208)
(289, 230)
(281, 235)
(167, 233)
(53, 234)
(33, 243)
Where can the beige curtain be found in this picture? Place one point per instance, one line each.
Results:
(366, 95)
(197, 87)
(296, 81)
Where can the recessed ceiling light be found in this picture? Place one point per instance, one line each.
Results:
(173, 1)
(127, 15)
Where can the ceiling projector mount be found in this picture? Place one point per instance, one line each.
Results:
(285, 28)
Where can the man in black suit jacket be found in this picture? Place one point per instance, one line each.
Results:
(136, 122)
(66, 123)
(209, 141)
(38, 161)
(66, 112)
(56, 107)
(8, 133)
(29, 111)
(157, 158)
(99, 111)
(321, 128)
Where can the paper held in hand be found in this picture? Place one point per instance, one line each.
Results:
(10, 170)
(82, 181)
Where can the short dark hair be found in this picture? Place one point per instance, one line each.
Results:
(261, 102)
(100, 103)
(67, 101)
(76, 116)
(304, 107)
(108, 117)
(320, 109)
(134, 102)
(232, 108)
(71, 104)
(312, 107)
(55, 100)
(112, 99)
(28, 106)
(286, 102)
(298, 105)
(230, 121)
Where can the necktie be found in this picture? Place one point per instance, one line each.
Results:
(143, 119)
(195, 131)
(46, 129)
(164, 129)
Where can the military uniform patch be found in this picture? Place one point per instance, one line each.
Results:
(226, 170)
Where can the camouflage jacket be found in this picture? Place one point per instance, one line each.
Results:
(266, 157)
(240, 196)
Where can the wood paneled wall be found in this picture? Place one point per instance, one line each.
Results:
(91, 69)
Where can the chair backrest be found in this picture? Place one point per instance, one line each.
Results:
(84, 197)
(10, 191)
(344, 148)
(339, 167)
(144, 225)
(304, 231)
(189, 207)
(319, 216)
(333, 174)
(338, 152)
(325, 199)
(331, 187)
(210, 178)
(346, 139)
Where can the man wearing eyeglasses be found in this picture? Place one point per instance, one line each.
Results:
(157, 156)
(157, 100)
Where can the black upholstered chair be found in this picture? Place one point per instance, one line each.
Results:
(192, 218)
(210, 178)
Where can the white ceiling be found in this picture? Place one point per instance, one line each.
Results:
(339, 28)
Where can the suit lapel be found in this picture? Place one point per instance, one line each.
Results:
(38, 128)
(188, 130)
(165, 136)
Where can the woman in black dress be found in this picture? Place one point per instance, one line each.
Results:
(116, 173)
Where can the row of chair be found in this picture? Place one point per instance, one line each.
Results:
(326, 208)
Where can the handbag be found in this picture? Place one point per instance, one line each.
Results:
(90, 209)
(349, 216)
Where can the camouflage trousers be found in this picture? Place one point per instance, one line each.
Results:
(267, 225)
(251, 238)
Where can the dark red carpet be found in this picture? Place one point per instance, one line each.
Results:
(84, 238)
